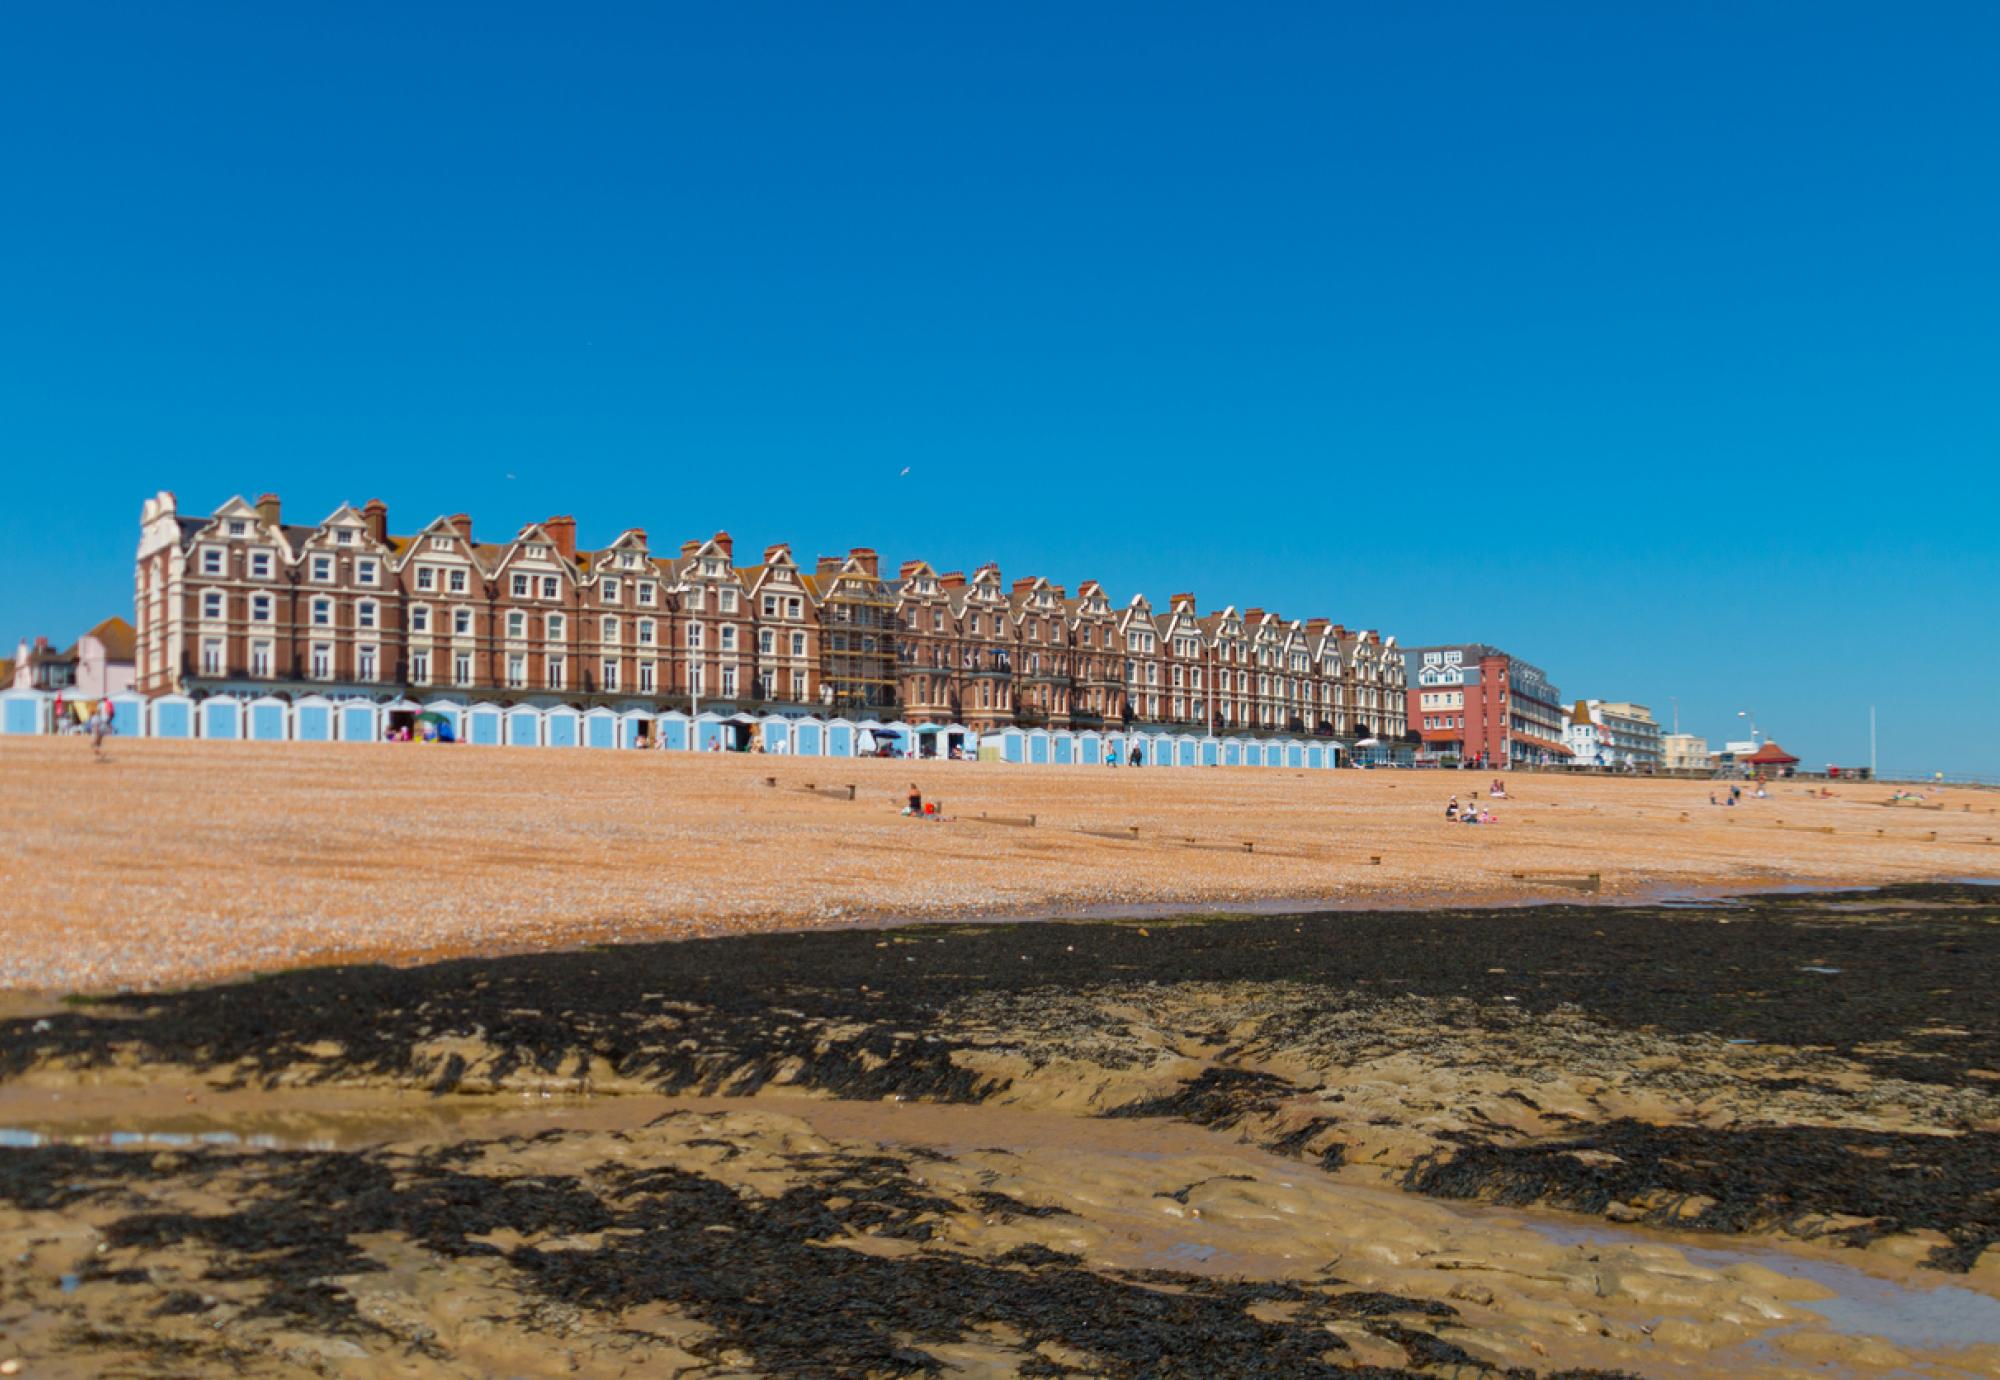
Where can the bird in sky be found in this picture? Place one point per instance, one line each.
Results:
(906, 470)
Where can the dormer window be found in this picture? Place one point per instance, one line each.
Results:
(440, 543)
(711, 567)
(535, 552)
(343, 537)
(236, 529)
(629, 561)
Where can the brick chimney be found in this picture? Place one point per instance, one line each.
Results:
(865, 557)
(777, 551)
(726, 545)
(1252, 615)
(952, 579)
(688, 548)
(828, 565)
(376, 512)
(1318, 627)
(1182, 601)
(907, 569)
(463, 522)
(267, 508)
(1024, 584)
(562, 531)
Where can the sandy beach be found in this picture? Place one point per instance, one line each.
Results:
(601, 1064)
(175, 862)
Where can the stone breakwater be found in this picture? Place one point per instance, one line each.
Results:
(1407, 1141)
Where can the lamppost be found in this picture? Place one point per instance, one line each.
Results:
(1752, 717)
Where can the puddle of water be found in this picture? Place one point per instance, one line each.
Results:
(1938, 1317)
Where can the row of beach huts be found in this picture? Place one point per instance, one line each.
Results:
(314, 719)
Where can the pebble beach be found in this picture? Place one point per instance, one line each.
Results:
(168, 863)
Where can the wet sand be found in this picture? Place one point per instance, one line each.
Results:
(1749, 1138)
(178, 862)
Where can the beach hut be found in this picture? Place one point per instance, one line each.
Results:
(171, 716)
(1187, 751)
(1062, 748)
(24, 712)
(1038, 747)
(400, 716)
(1315, 757)
(1211, 752)
(562, 726)
(524, 726)
(452, 717)
(709, 733)
(1090, 748)
(840, 738)
(809, 738)
(638, 728)
(1295, 754)
(128, 715)
(270, 720)
(484, 725)
(312, 719)
(774, 734)
(1013, 744)
(358, 721)
(222, 718)
(600, 728)
(674, 730)
(1232, 752)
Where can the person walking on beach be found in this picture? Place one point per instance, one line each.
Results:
(100, 724)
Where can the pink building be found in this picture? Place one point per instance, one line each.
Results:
(97, 664)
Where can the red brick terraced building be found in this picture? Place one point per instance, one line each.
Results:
(241, 601)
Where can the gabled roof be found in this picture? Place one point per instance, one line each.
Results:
(120, 642)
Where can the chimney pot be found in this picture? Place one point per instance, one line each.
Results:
(376, 513)
(562, 531)
(268, 508)
(463, 522)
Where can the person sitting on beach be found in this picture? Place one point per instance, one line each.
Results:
(1451, 809)
(916, 805)
(1712, 800)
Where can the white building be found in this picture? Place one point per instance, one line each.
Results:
(1613, 733)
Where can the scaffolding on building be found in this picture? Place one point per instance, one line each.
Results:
(858, 639)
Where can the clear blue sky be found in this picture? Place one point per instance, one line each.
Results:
(1660, 345)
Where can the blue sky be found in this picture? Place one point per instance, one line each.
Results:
(1657, 346)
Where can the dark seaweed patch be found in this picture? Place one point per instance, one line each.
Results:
(768, 1276)
(1746, 1180)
